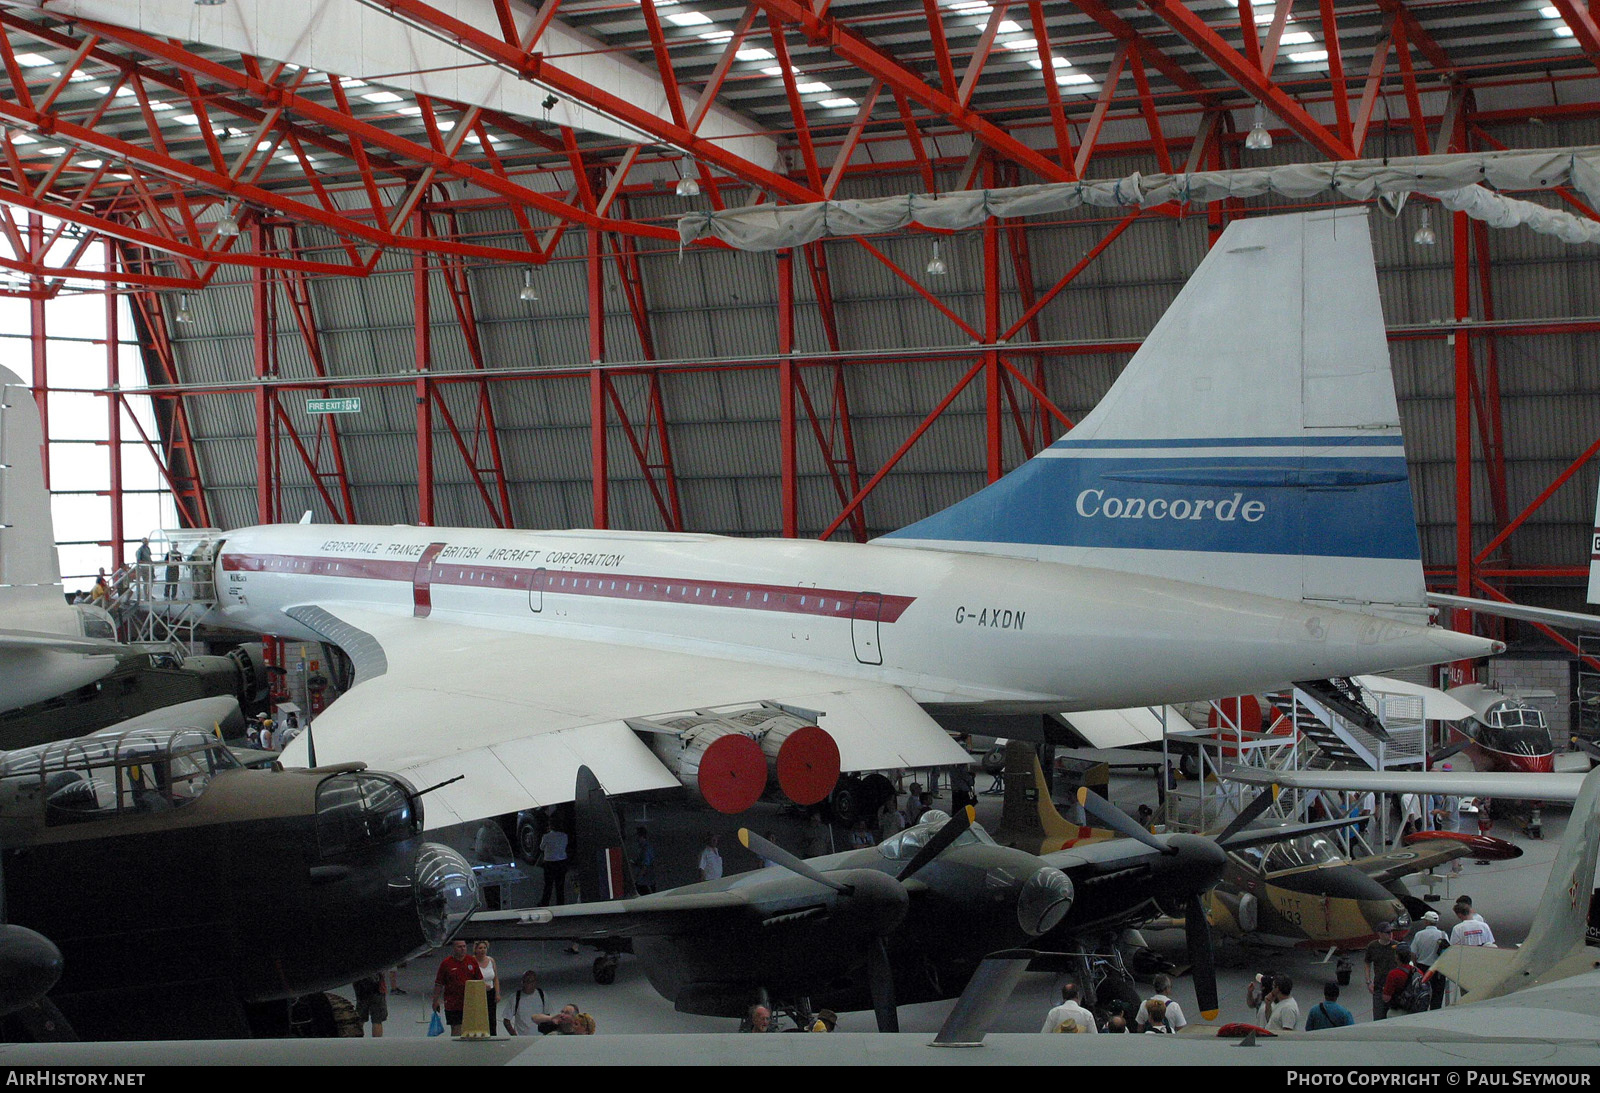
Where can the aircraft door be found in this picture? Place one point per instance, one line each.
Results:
(864, 627)
(536, 589)
(422, 582)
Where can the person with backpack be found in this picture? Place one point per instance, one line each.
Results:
(1328, 1013)
(1404, 989)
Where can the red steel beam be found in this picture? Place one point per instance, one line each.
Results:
(1341, 93)
(1124, 32)
(297, 291)
(1463, 407)
(788, 467)
(1585, 28)
(855, 50)
(359, 132)
(916, 434)
(422, 326)
(1193, 29)
(114, 413)
(600, 497)
(266, 398)
(536, 67)
(485, 429)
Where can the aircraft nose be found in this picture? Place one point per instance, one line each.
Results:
(445, 890)
(1044, 901)
(30, 964)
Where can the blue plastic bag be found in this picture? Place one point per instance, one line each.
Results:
(436, 1026)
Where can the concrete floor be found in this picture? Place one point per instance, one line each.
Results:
(1506, 893)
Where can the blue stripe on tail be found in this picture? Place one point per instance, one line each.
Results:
(1343, 503)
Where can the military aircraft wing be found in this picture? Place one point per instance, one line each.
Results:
(1529, 787)
(663, 915)
(1426, 856)
(519, 713)
(59, 643)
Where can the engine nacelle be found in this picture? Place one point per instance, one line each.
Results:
(715, 760)
(801, 757)
(720, 753)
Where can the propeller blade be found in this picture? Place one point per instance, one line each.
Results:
(949, 833)
(1202, 957)
(1447, 752)
(880, 978)
(779, 856)
(1279, 834)
(1252, 810)
(1119, 821)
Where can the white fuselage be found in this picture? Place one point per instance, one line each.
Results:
(956, 630)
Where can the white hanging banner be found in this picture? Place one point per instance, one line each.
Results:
(1464, 183)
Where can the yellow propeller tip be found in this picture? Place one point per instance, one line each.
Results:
(1210, 1015)
(972, 814)
(744, 837)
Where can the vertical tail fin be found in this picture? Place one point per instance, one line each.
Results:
(603, 869)
(1558, 942)
(1253, 442)
(30, 576)
(1028, 817)
(1594, 555)
(1562, 920)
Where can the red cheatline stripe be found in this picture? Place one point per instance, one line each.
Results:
(827, 602)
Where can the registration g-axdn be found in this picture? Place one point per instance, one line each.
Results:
(1234, 515)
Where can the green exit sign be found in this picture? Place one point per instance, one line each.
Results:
(333, 406)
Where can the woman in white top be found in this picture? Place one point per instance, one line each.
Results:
(491, 981)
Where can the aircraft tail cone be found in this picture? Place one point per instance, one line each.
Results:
(733, 774)
(808, 765)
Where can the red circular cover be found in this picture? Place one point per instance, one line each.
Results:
(733, 774)
(808, 765)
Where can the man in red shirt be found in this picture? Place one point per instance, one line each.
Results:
(451, 983)
(1396, 998)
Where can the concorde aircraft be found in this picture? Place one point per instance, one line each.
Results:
(1234, 515)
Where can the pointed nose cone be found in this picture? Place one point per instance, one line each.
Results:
(1457, 646)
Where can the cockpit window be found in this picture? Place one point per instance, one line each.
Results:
(904, 846)
(360, 809)
(1299, 853)
(110, 774)
(1516, 717)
